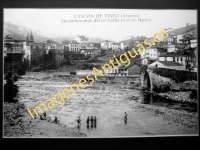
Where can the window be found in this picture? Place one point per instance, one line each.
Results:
(181, 59)
(154, 54)
(177, 58)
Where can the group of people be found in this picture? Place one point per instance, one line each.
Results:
(90, 121)
(93, 121)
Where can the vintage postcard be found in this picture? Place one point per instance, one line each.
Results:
(78, 73)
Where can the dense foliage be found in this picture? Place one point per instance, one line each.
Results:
(176, 75)
(10, 88)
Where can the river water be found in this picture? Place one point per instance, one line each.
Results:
(108, 104)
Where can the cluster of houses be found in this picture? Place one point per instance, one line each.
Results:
(37, 53)
(178, 51)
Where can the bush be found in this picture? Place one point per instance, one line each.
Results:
(10, 88)
(176, 75)
(193, 94)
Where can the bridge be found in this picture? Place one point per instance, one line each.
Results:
(146, 80)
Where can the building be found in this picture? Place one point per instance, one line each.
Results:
(183, 60)
(93, 46)
(91, 53)
(82, 40)
(168, 64)
(58, 56)
(115, 46)
(74, 46)
(122, 46)
(37, 53)
(123, 70)
(193, 42)
(106, 44)
(152, 54)
(19, 46)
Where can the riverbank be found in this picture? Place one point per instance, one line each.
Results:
(180, 96)
(184, 118)
(17, 123)
(107, 102)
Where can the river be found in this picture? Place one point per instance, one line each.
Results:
(108, 104)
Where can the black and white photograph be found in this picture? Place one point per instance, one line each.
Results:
(99, 73)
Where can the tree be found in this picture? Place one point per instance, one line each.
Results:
(50, 41)
(10, 88)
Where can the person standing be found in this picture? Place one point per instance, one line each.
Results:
(125, 117)
(88, 120)
(56, 120)
(95, 121)
(91, 120)
(79, 121)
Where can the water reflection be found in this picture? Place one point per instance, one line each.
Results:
(109, 105)
(125, 121)
(148, 98)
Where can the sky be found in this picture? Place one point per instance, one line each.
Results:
(49, 22)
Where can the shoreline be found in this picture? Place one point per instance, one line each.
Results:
(187, 119)
(178, 96)
(17, 123)
(25, 126)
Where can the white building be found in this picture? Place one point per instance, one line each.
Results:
(106, 44)
(91, 53)
(82, 40)
(122, 46)
(74, 46)
(180, 59)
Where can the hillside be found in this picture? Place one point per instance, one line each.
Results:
(20, 33)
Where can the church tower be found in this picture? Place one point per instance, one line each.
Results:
(31, 37)
(27, 37)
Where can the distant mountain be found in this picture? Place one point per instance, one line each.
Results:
(20, 33)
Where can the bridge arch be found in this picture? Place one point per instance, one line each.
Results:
(146, 81)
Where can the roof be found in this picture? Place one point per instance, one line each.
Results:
(172, 55)
(19, 40)
(170, 63)
(106, 41)
(83, 38)
(38, 43)
(89, 50)
(74, 42)
(185, 39)
(161, 50)
(180, 46)
(65, 42)
(132, 63)
(171, 33)
(8, 38)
